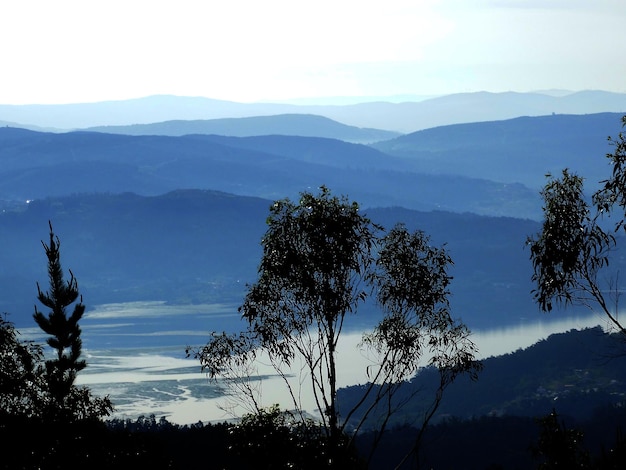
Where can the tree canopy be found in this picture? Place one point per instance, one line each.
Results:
(323, 259)
(21, 376)
(575, 241)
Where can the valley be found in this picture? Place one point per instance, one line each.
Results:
(162, 225)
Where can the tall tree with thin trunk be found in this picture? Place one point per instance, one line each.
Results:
(322, 259)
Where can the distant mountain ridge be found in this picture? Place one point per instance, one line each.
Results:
(193, 246)
(490, 168)
(37, 165)
(397, 117)
(519, 150)
(305, 125)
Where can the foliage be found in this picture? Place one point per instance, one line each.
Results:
(322, 259)
(21, 380)
(560, 447)
(68, 401)
(573, 246)
(614, 190)
(34, 443)
(271, 438)
(411, 284)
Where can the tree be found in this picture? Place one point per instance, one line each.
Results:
(272, 438)
(21, 385)
(573, 246)
(69, 401)
(411, 282)
(322, 259)
(560, 447)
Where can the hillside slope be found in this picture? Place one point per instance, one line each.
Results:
(192, 247)
(304, 125)
(519, 150)
(37, 165)
(578, 372)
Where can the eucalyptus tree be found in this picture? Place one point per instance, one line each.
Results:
(322, 260)
(411, 283)
(575, 241)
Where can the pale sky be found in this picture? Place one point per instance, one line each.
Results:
(66, 51)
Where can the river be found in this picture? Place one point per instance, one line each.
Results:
(155, 377)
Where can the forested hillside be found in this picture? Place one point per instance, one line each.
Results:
(204, 246)
(575, 372)
(518, 150)
(38, 165)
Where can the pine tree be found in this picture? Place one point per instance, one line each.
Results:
(63, 329)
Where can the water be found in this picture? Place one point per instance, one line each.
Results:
(154, 376)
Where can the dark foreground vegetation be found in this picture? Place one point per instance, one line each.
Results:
(508, 442)
(557, 404)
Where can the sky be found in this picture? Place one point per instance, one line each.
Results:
(70, 51)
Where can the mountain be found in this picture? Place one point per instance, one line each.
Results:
(284, 124)
(315, 150)
(37, 165)
(182, 247)
(520, 150)
(495, 422)
(474, 107)
(577, 371)
(403, 117)
(125, 112)
(195, 247)
(29, 127)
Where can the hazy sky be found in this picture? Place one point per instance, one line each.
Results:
(247, 50)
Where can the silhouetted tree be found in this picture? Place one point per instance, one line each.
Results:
(68, 401)
(573, 247)
(560, 447)
(321, 260)
(272, 438)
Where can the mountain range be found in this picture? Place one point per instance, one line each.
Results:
(37, 165)
(491, 168)
(179, 217)
(163, 200)
(521, 150)
(303, 125)
(203, 247)
(402, 117)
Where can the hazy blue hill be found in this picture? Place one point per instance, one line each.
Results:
(332, 152)
(37, 165)
(473, 107)
(124, 112)
(398, 117)
(518, 150)
(203, 246)
(26, 126)
(183, 247)
(305, 125)
(490, 260)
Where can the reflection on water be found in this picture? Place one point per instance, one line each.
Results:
(160, 380)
